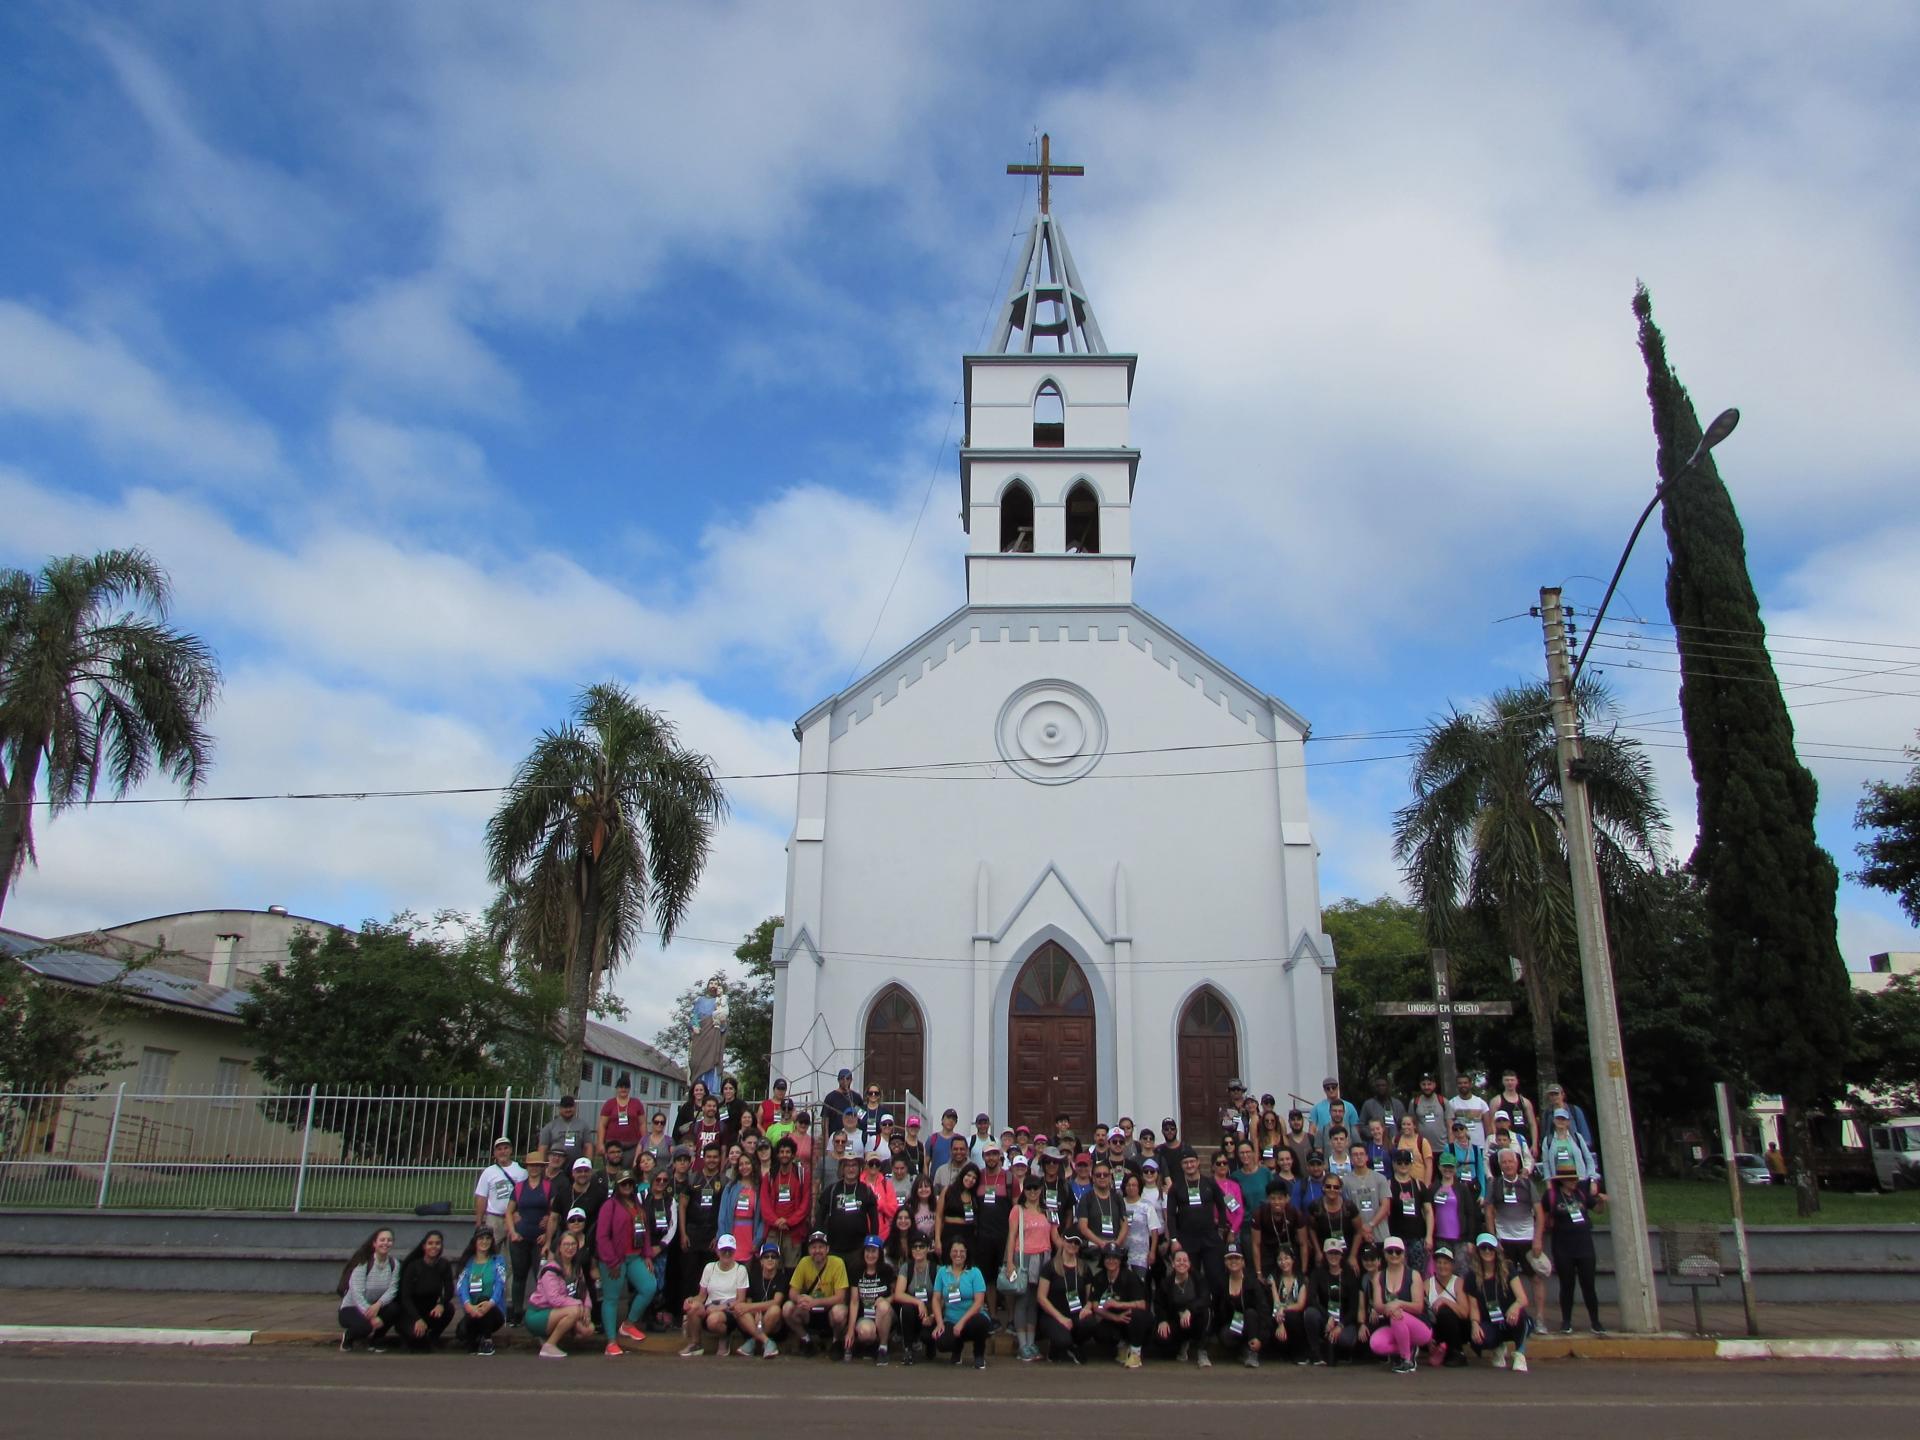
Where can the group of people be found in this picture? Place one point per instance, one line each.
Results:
(1322, 1235)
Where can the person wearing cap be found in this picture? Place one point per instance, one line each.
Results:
(786, 1201)
(849, 1212)
(1332, 1110)
(757, 1314)
(1079, 1176)
(557, 1310)
(959, 1209)
(493, 1191)
(770, 1107)
(782, 1123)
(1242, 1312)
(480, 1292)
(569, 1133)
(1312, 1184)
(1429, 1110)
(1287, 1290)
(623, 1250)
(1450, 1310)
(867, 1318)
(1062, 1310)
(912, 1299)
(1455, 1208)
(959, 1300)
(740, 1208)
(1197, 1216)
(817, 1288)
(1056, 1197)
(1398, 1301)
(1557, 1099)
(982, 1137)
(620, 1117)
(1276, 1229)
(587, 1190)
(1561, 1148)
(1031, 1238)
(1334, 1326)
(1464, 1105)
(1183, 1310)
(838, 1101)
(1119, 1306)
(1505, 1137)
(1513, 1210)
(710, 1309)
(1410, 1209)
(1299, 1139)
(1569, 1214)
(530, 1225)
(1469, 1160)
(1502, 1305)
(1144, 1225)
(916, 1148)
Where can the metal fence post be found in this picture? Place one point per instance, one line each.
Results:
(306, 1144)
(113, 1136)
(506, 1115)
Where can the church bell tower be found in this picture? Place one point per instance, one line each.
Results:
(1046, 473)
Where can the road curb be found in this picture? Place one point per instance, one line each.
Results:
(1819, 1349)
(117, 1335)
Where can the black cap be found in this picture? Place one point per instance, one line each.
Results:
(565, 1100)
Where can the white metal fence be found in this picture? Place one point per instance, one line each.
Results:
(313, 1150)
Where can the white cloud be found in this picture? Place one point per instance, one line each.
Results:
(408, 469)
(88, 377)
(409, 337)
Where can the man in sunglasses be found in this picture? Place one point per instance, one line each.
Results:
(1333, 1108)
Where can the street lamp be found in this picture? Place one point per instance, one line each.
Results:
(1721, 427)
(1632, 1254)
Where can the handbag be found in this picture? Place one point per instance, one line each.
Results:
(1016, 1282)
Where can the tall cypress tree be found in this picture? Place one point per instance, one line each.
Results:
(1770, 888)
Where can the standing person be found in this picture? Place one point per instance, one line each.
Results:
(1332, 1110)
(913, 1298)
(530, 1226)
(1429, 1111)
(1500, 1293)
(1558, 1099)
(959, 1210)
(426, 1292)
(710, 1309)
(700, 1220)
(839, 1100)
(900, 1238)
(733, 1110)
(623, 1248)
(1289, 1293)
(1399, 1302)
(959, 1295)
(760, 1311)
(869, 1305)
(557, 1309)
(1383, 1105)
(480, 1290)
(786, 1201)
(1562, 1149)
(740, 1208)
(1367, 1193)
(941, 1144)
(834, 1148)
(816, 1289)
(1464, 1105)
(568, 1133)
(1198, 1218)
(1030, 1242)
(1236, 1200)
(1415, 1144)
(849, 1212)
(690, 1111)
(493, 1191)
(662, 1206)
(1470, 1166)
(1119, 1306)
(1570, 1224)
(1253, 1176)
(1453, 1209)
(620, 1118)
(1526, 1119)
(1410, 1210)
(1100, 1216)
(1449, 1311)
(1513, 1211)
(1185, 1310)
(1275, 1230)
(1144, 1225)
(658, 1143)
(916, 1148)
(1331, 1218)
(368, 1286)
(711, 1128)
(1242, 1313)
(586, 1191)
(1333, 1322)
(1299, 1139)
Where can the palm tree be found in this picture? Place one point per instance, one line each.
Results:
(1485, 834)
(95, 686)
(606, 820)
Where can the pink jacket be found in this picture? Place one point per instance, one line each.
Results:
(613, 1234)
(550, 1292)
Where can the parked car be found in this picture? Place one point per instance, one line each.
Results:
(1753, 1169)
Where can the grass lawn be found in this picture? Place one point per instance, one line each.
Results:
(1705, 1202)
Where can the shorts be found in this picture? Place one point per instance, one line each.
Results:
(537, 1322)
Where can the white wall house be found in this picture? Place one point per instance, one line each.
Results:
(1051, 857)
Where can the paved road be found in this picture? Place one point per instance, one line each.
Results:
(294, 1393)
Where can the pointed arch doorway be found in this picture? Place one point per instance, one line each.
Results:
(896, 1046)
(1050, 1044)
(1209, 1061)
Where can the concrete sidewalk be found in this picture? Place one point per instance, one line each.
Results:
(1877, 1331)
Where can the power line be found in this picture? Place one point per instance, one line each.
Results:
(1761, 635)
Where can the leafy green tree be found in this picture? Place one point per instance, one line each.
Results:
(406, 1007)
(1892, 854)
(1382, 948)
(1483, 841)
(749, 1013)
(96, 687)
(52, 1035)
(1883, 1068)
(608, 820)
(1770, 888)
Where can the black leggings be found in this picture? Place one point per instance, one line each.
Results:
(474, 1328)
(1195, 1334)
(1581, 1268)
(435, 1329)
(1340, 1347)
(1131, 1331)
(974, 1329)
(354, 1321)
(1452, 1330)
(1057, 1337)
(911, 1329)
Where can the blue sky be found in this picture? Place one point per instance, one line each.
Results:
(452, 356)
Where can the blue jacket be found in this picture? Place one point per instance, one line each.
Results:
(728, 1198)
(490, 1286)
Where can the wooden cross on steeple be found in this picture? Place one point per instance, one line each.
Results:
(1046, 169)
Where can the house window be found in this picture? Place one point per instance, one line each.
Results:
(586, 1071)
(156, 1071)
(228, 1078)
(1049, 418)
(640, 1084)
(606, 1076)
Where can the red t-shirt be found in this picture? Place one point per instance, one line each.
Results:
(628, 1125)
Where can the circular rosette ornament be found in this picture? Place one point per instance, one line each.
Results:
(1051, 732)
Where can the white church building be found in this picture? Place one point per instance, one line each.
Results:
(1051, 857)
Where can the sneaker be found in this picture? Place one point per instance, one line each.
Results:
(687, 1352)
(1566, 1329)
(1029, 1354)
(613, 1351)
(723, 1347)
(1132, 1358)
(980, 1361)
(806, 1343)
(486, 1348)
(1301, 1360)
(1437, 1356)
(1598, 1332)
(633, 1332)
(1500, 1357)
(1074, 1355)
(1321, 1363)
(552, 1352)
(846, 1357)
(746, 1347)
(768, 1349)
(1202, 1359)
(880, 1357)
(1520, 1364)
(1252, 1362)
(376, 1346)
(906, 1355)
(1457, 1361)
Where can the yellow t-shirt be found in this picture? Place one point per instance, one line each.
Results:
(819, 1283)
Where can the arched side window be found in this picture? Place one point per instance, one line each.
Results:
(1016, 520)
(1083, 520)
(1049, 418)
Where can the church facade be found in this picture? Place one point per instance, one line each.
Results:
(1052, 858)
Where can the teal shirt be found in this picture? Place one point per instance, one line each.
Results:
(965, 1285)
(1254, 1185)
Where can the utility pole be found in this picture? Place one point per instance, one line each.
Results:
(1632, 1254)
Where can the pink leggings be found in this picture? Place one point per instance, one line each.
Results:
(1403, 1335)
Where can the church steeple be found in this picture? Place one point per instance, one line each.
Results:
(1046, 473)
